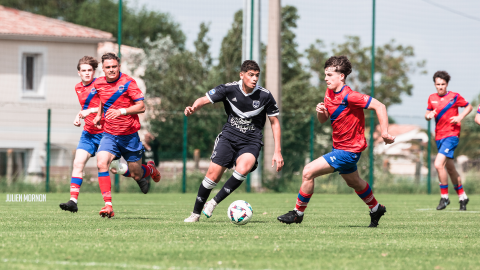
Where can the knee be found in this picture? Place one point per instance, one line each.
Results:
(307, 174)
(439, 166)
(102, 165)
(78, 165)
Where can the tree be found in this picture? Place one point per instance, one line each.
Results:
(230, 58)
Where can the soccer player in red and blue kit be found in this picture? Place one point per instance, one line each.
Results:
(91, 135)
(120, 102)
(477, 117)
(345, 108)
(443, 106)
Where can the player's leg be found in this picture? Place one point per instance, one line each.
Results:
(222, 158)
(363, 190)
(439, 164)
(316, 168)
(457, 183)
(81, 158)
(213, 176)
(104, 158)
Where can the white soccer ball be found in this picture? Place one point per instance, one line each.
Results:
(240, 212)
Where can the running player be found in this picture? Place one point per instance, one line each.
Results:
(91, 135)
(477, 117)
(444, 105)
(120, 102)
(247, 106)
(345, 108)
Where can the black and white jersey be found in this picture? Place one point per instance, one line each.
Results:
(247, 113)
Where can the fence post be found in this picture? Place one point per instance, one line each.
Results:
(312, 134)
(429, 160)
(47, 180)
(119, 41)
(184, 174)
(372, 94)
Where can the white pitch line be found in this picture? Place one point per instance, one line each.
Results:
(96, 264)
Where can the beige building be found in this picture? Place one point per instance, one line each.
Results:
(38, 59)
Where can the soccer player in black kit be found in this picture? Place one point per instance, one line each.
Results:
(247, 106)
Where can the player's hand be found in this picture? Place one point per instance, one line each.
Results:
(84, 113)
(112, 114)
(97, 122)
(77, 121)
(388, 139)
(455, 119)
(321, 108)
(277, 157)
(432, 114)
(189, 111)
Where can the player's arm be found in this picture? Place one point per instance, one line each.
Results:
(322, 113)
(77, 122)
(87, 112)
(430, 114)
(197, 105)
(137, 108)
(457, 119)
(381, 112)
(98, 117)
(277, 134)
(477, 118)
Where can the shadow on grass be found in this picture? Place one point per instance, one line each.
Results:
(145, 218)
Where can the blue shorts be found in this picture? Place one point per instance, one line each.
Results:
(446, 146)
(128, 146)
(342, 161)
(89, 142)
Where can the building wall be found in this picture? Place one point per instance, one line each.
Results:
(23, 119)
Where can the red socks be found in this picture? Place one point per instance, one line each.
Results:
(76, 182)
(367, 196)
(105, 186)
(444, 191)
(302, 201)
(146, 171)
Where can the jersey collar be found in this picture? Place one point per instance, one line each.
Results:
(240, 85)
(89, 83)
(341, 90)
(448, 92)
(119, 76)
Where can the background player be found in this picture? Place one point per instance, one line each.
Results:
(443, 105)
(91, 135)
(247, 106)
(477, 117)
(122, 101)
(344, 107)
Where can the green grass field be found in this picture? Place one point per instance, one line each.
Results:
(148, 232)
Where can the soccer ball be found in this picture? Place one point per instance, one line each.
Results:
(240, 212)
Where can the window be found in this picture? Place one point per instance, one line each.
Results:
(32, 59)
(31, 73)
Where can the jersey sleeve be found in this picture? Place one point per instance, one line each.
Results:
(461, 102)
(271, 106)
(357, 100)
(429, 106)
(217, 94)
(134, 92)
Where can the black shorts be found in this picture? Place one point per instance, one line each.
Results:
(225, 152)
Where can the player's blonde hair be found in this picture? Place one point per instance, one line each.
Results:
(87, 60)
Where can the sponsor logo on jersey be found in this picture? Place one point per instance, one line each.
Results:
(120, 88)
(243, 125)
(211, 92)
(234, 99)
(256, 104)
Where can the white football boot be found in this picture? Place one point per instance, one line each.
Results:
(209, 207)
(192, 218)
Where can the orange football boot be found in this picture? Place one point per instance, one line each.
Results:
(107, 211)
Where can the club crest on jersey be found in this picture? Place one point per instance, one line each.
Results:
(93, 90)
(121, 88)
(451, 101)
(256, 104)
(211, 92)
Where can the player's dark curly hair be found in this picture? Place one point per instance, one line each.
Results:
(110, 56)
(340, 63)
(88, 60)
(249, 65)
(442, 75)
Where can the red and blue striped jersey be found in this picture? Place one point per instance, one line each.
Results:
(446, 107)
(348, 121)
(121, 93)
(88, 98)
